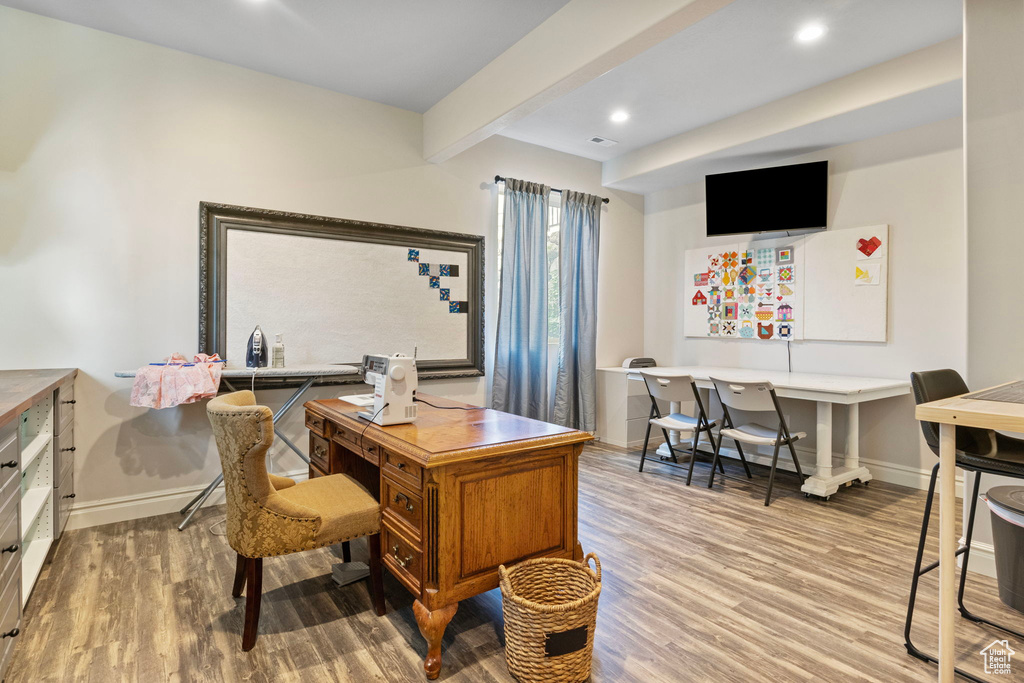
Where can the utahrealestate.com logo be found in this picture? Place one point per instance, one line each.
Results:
(997, 657)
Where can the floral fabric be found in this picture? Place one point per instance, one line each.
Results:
(177, 381)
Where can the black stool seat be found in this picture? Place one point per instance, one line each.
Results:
(1007, 457)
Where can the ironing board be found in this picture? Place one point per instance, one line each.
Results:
(308, 373)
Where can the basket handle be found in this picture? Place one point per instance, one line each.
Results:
(586, 563)
(503, 581)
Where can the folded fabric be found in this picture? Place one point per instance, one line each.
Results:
(176, 381)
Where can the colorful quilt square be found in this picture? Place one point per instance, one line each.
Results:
(435, 282)
(729, 312)
(784, 255)
(765, 257)
(445, 270)
(424, 269)
(729, 328)
(786, 273)
(747, 275)
(785, 331)
(458, 307)
(446, 294)
(414, 254)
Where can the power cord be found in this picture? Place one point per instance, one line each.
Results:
(361, 449)
(420, 400)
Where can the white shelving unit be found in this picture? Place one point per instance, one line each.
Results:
(37, 492)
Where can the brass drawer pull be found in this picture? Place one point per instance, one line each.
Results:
(9, 463)
(317, 424)
(400, 465)
(10, 549)
(401, 563)
(319, 452)
(13, 633)
(408, 503)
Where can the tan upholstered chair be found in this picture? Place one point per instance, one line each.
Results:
(270, 515)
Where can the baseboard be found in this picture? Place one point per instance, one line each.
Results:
(124, 508)
(983, 559)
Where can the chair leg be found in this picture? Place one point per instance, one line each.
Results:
(693, 455)
(715, 459)
(796, 461)
(241, 562)
(771, 475)
(647, 438)
(346, 552)
(253, 593)
(743, 459)
(376, 575)
(911, 648)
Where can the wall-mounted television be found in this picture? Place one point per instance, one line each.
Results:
(781, 198)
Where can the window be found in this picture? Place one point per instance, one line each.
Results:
(554, 219)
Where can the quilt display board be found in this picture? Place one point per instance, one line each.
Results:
(830, 285)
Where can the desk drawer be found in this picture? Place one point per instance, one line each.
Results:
(10, 618)
(10, 452)
(402, 469)
(402, 559)
(345, 436)
(64, 450)
(404, 505)
(64, 409)
(65, 499)
(319, 452)
(316, 424)
(10, 545)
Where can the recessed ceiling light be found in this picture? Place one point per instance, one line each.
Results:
(619, 116)
(810, 33)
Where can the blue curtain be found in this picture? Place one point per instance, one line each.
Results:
(576, 383)
(520, 360)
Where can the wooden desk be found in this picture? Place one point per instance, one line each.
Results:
(825, 391)
(461, 491)
(949, 413)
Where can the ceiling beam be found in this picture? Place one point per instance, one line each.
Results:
(914, 72)
(581, 41)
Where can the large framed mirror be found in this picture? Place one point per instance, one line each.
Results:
(336, 289)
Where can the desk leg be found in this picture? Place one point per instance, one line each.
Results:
(432, 626)
(852, 436)
(948, 543)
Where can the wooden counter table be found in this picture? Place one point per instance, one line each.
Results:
(462, 491)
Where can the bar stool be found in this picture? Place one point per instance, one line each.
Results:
(754, 397)
(982, 451)
(673, 387)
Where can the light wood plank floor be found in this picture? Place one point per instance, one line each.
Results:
(699, 585)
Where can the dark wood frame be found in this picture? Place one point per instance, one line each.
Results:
(216, 219)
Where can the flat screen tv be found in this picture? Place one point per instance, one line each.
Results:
(774, 199)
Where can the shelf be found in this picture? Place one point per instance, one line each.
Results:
(33, 502)
(34, 449)
(32, 557)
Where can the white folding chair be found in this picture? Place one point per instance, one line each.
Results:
(754, 397)
(672, 387)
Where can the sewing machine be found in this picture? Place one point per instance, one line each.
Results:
(394, 383)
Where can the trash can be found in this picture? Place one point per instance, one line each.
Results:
(550, 609)
(1006, 503)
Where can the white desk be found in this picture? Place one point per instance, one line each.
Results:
(825, 391)
(949, 413)
(307, 373)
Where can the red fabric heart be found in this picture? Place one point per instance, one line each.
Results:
(868, 247)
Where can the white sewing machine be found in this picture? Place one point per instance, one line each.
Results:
(394, 381)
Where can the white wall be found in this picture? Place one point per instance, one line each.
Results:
(911, 180)
(106, 149)
(994, 177)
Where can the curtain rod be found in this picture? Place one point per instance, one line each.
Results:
(499, 179)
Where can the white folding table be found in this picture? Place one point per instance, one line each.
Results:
(825, 391)
(232, 375)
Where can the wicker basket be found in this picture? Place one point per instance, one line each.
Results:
(550, 608)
